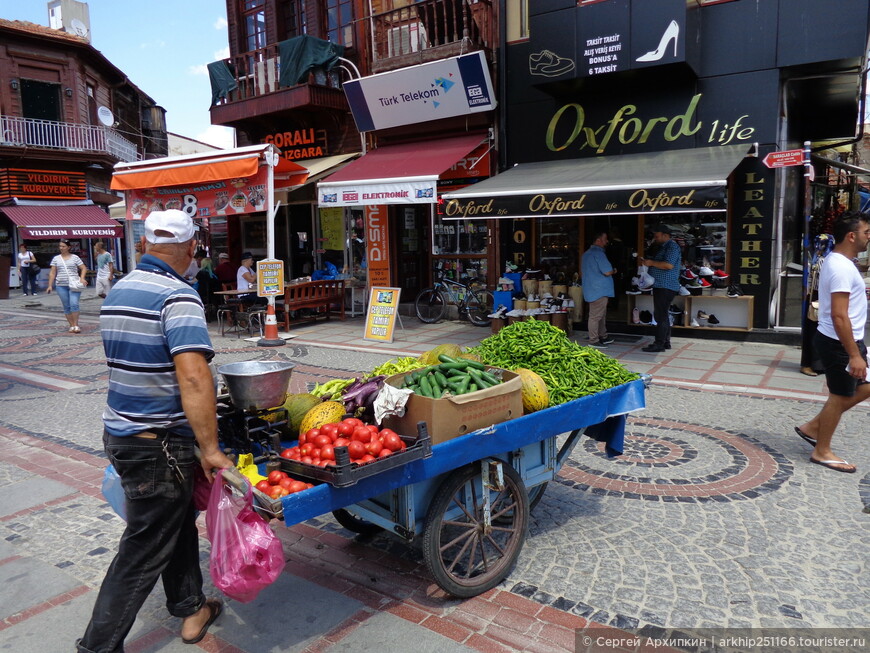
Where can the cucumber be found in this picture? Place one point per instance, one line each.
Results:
(442, 380)
(478, 378)
(425, 387)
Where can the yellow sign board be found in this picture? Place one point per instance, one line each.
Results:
(332, 228)
(382, 312)
(270, 277)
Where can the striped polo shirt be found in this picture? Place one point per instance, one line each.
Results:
(150, 315)
(670, 279)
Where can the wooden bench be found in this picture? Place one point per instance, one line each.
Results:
(315, 295)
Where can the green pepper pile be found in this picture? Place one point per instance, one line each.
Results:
(570, 370)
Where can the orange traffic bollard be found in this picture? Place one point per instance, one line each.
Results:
(270, 332)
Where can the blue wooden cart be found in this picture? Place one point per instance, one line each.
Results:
(468, 504)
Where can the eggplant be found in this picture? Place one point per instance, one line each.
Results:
(362, 394)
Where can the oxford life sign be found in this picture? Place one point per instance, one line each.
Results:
(450, 87)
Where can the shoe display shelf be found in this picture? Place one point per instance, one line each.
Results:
(733, 313)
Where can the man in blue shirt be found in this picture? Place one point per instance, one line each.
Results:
(597, 287)
(161, 402)
(664, 267)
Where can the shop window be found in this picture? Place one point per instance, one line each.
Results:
(558, 252)
(458, 236)
(702, 238)
(339, 25)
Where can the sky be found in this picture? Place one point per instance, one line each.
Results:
(163, 47)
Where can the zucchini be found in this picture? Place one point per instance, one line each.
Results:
(425, 387)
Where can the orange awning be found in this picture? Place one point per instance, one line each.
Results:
(203, 168)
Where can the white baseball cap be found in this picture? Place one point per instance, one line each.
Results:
(170, 226)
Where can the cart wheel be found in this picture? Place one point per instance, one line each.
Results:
(355, 524)
(536, 494)
(465, 557)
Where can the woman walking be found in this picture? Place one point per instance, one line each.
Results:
(69, 272)
(27, 268)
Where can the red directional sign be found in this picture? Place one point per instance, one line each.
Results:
(784, 158)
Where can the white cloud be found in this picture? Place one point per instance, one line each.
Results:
(220, 23)
(218, 136)
(199, 69)
(223, 53)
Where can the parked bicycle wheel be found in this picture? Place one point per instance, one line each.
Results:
(430, 305)
(480, 307)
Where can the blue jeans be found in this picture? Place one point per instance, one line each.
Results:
(70, 300)
(161, 540)
(28, 277)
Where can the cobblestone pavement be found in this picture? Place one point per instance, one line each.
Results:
(713, 517)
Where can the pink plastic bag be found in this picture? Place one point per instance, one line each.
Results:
(246, 555)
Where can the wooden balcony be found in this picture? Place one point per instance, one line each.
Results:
(67, 137)
(258, 93)
(431, 30)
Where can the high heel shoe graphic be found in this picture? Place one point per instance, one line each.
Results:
(671, 34)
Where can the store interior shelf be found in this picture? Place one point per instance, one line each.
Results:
(733, 313)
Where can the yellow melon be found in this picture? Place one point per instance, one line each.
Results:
(323, 413)
(536, 396)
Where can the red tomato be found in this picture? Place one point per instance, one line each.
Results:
(392, 441)
(327, 452)
(329, 429)
(361, 434)
(321, 440)
(353, 421)
(297, 486)
(366, 459)
(288, 453)
(303, 438)
(263, 486)
(384, 453)
(374, 429)
(346, 429)
(306, 459)
(374, 447)
(310, 434)
(275, 477)
(306, 449)
(341, 442)
(276, 492)
(356, 449)
(286, 482)
(385, 432)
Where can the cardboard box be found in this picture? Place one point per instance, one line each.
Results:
(450, 417)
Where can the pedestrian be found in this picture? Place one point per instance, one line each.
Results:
(161, 402)
(105, 270)
(664, 268)
(839, 339)
(69, 271)
(224, 270)
(246, 279)
(597, 274)
(28, 269)
(195, 265)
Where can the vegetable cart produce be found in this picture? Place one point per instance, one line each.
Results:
(569, 370)
(452, 376)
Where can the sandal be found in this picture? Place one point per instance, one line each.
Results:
(216, 607)
(830, 465)
(75, 329)
(72, 329)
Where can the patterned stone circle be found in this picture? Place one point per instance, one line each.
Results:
(675, 461)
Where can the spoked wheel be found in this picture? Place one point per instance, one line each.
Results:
(430, 306)
(354, 523)
(536, 494)
(464, 555)
(480, 307)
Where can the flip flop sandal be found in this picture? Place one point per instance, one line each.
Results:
(830, 465)
(808, 439)
(216, 608)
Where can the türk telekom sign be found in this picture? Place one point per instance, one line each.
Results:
(450, 87)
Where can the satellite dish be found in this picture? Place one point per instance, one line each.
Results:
(78, 28)
(105, 116)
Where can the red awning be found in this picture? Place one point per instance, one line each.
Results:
(44, 221)
(396, 174)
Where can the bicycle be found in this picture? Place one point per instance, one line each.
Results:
(475, 303)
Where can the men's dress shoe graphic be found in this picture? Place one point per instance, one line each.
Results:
(672, 33)
(549, 64)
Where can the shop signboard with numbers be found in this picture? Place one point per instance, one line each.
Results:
(381, 314)
(270, 277)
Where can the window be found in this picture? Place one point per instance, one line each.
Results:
(92, 105)
(292, 17)
(517, 20)
(40, 100)
(254, 22)
(339, 27)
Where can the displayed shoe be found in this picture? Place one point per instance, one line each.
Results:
(704, 271)
(701, 315)
(694, 323)
(684, 291)
(721, 274)
(734, 291)
(712, 319)
(653, 348)
(598, 345)
(694, 283)
(688, 274)
(704, 283)
(635, 315)
(633, 290)
(675, 310)
(606, 340)
(645, 317)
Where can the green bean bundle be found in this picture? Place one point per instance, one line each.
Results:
(570, 370)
